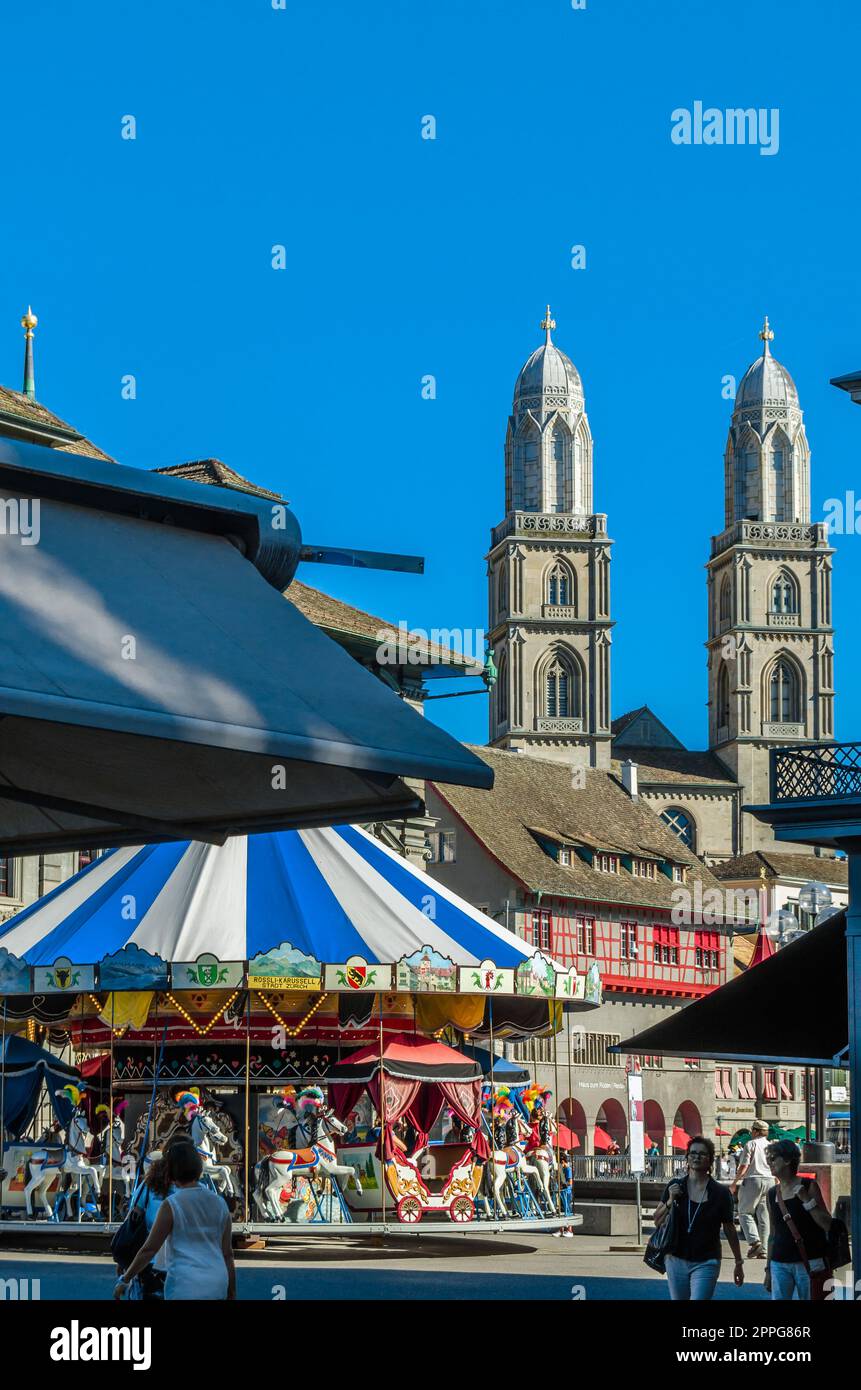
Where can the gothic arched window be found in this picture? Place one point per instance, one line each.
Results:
(560, 585)
(783, 694)
(784, 594)
(528, 469)
(502, 590)
(723, 698)
(778, 486)
(559, 498)
(560, 687)
(502, 690)
(681, 824)
(726, 601)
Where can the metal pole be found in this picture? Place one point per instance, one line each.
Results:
(383, 1115)
(111, 1112)
(639, 1212)
(247, 1104)
(853, 981)
(2, 1104)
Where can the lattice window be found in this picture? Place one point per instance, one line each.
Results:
(586, 936)
(541, 929)
(629, 947)
(5, 876)
(681, 824)
(784, 594)
(783, 694)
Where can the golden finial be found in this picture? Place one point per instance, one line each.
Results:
(29, 321)
(547, 323)
(766, 334)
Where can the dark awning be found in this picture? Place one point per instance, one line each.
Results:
(790, 1008)
(154, 685)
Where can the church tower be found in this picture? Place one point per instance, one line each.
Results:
(770, 638)
(549, 574)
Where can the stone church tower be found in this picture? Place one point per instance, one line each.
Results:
(770, 638)
(549, 574)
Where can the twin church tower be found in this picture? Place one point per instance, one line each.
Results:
(770, 638)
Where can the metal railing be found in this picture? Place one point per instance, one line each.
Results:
(617, 1167)
(816, 772)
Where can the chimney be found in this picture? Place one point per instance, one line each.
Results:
(629, 779)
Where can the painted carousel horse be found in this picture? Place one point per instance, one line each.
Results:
(43, 1166)
(117, 1163)
(543, 1157)
(205, 1134)
(508, 1167)
(314, 1126)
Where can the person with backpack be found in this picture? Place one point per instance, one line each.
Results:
(700, 1208)
(798, 1254)
(752, 1181)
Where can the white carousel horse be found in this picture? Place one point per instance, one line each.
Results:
(116, 1162)
(509, 1166)
(43, 1167)
(317, 1157)
(205, 1134)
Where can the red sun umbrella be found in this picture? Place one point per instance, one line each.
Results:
(722, 1133)
(567, 1138)
(601, 1138)
(681, 1139)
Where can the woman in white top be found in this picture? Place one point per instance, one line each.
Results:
(193, 1224)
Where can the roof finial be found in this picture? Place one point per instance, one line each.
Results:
(547, 323)
(28, 323)
(766, 335)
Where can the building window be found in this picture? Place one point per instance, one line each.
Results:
(502, 689)
(629, 948)
(681, 824)
(557, 700)
(725, 610)
(589, 1050)
(745, 1085)
(784, 594)
(559, 585)
(783, 694)
(606, 863)
(785, 1088)
(723, 698)
(723, 1083)
(586, 936)
(680, 873)
(769, 1084)
(6, 876)
(564, 856)
(87, 856)
(502, 592)
(707, 950)
(541, 931)
(443, 846)
(644, 868)
(666, 945)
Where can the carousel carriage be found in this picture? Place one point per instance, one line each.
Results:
(420, 1077)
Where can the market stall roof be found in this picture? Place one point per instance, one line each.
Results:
(155, 685)
(25, 1067)
(409, 1056)
(791, 1008)
(503, 1071)
(330, 893)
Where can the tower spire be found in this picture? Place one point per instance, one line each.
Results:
(767, 336)
(547, 323)
(28, 323)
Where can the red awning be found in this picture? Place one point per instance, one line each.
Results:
(411, 1056)
(722, 1133)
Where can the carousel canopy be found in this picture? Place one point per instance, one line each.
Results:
(504, 1072)
(153, 680)
(332, 894)
(410, 1057)
(25, 1066)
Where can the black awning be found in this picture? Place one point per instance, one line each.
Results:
(791, 1008)
(155, 685)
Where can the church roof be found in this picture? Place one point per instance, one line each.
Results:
(341, 619)
(643, 728)
(23, 418)
(809, 867)
(677, 767)
(530, 792)
(766, 381)
(548, 371)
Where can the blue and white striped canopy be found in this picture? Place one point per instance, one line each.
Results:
(333, 893)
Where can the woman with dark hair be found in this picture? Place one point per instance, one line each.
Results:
(193, 1224)
(702, 1208)
(800, 1221)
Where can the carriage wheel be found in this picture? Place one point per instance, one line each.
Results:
(462, 1209)
(409, 1211)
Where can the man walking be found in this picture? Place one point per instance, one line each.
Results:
(753, 1178)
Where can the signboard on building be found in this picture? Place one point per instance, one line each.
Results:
(636, 1125)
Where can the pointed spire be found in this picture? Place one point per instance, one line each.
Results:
(767, 336)
(28, 323)
(547, 323)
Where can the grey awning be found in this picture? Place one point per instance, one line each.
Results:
(152, 681)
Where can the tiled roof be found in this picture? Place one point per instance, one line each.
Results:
(810, 867)
(341, 619)
(18, 412)
(678, 766)
(530, 792)
(619, 725)
(215, 472)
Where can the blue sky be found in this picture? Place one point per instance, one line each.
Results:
(407, 257)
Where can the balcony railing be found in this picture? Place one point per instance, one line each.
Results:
(816, 772)
(617, 1167)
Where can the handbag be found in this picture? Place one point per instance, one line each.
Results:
(662, 1242)
(818, 1277)
(839, 1249)
(130, 1236)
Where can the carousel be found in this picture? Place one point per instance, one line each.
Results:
(320, 1016)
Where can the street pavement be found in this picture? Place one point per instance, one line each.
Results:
(522, 1269)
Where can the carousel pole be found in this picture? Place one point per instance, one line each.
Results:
(247, 1101)
(492, 1174)
(2, 1103)
(383, 1115)
(558, 1199)
(111, 1112)
(570, 1110)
